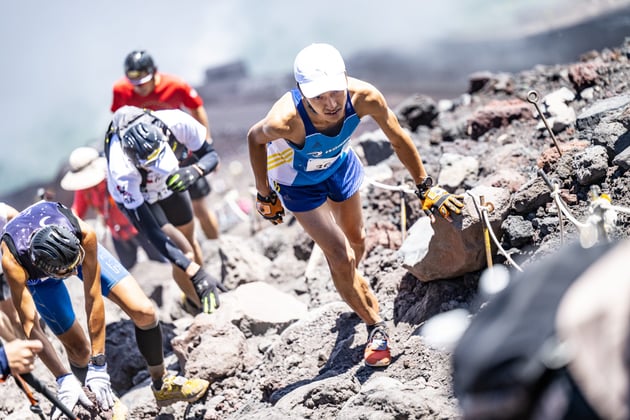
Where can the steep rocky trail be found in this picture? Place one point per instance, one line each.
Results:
(283, 345)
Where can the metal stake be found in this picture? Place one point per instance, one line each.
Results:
(532, 98)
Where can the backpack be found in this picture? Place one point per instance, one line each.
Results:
(127, 116)
(510, 357)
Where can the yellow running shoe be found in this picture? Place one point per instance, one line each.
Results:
(177, 388)
(188, 305)
(119, 410)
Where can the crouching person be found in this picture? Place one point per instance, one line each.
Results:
(43, 245)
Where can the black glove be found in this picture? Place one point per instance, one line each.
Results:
(181, 179)
(207, 289)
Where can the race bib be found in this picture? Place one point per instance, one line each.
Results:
(320, 164)
(155, 188)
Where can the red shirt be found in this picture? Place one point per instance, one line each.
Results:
(170, 93)
(98, 198)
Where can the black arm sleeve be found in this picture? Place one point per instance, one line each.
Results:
(208, 159)
(144, 220)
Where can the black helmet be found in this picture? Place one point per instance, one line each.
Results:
(139, 67)
(55, 250)
(144, 143)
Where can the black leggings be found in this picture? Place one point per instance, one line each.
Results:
(175, 209)
(127, 250)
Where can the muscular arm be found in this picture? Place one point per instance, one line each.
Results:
(16, 277)
(370, 101)
(94, 305)
(256, 140)
(279, 123)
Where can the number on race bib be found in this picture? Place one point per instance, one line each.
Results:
(320, 164)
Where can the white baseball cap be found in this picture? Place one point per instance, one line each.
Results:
(319, 68)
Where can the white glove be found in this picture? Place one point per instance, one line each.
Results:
(97, 379)
(69, 392)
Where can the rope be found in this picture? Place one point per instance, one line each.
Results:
(496, 242)
(620, 209)
(602, 213)
(403, 209)
(598, 207)
(483, 216)
(388, 187)
(563, 208)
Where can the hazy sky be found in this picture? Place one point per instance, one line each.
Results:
(60, 58)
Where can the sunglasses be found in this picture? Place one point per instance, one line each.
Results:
(154, 157)
(137, 77)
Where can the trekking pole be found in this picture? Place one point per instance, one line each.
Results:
(532, 98)
(403, 189)
(403, 215)
(35, 408)
(42, 389)
(486, 234)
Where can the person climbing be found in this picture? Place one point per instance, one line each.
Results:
(45, 244)
(301, 158)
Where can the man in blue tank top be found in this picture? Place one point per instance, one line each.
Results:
(301, 158)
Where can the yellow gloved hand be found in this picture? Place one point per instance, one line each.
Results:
(436, 198)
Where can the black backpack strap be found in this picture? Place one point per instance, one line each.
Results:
(13, 250)
(71, 218)
(178, 148)
(108, 137)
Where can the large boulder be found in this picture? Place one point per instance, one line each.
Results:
(444, 250)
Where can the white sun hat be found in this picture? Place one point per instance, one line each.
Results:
(319, 68)
(87, 169)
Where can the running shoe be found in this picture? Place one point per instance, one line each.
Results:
(177, 388)
(377, 352)
(119, 410)
(188, 305)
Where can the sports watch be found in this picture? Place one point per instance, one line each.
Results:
(98, 360)
(426, 184)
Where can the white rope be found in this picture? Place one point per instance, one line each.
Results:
(562, 207)
(620, 209)
(402, 188)
(507, 256)
(483, 216)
